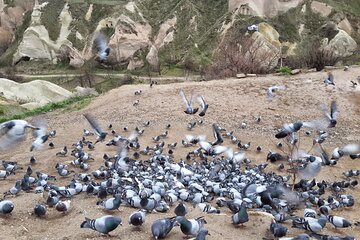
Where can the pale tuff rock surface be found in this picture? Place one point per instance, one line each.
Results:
(35, 92)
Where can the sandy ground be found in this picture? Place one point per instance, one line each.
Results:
(232, 102)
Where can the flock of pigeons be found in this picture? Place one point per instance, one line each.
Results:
(212, 176)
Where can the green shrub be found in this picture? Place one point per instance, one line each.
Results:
(284, 70)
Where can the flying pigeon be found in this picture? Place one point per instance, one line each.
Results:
(102, 47)
(204, 106)
(332, 116)
(40, 136)
(271, 90)
(95, 125)
(12, 132)
(189, 107)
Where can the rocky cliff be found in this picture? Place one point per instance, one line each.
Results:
(166, 32)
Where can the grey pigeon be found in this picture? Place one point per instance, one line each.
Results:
(271, 90)
(111, 203)
(14, 190)
(40, 135)
(189, 107)
(288, 129)
(202, 234)
(103, 224)
(191, 227)
(137, 218)
(204, 106)
(12, 132)
(240, 217)
(332, 115)
(40, 210)
(278, 230)
(338, 222)
(311, 169)
(63, 206)
(329, 80)
(95, 125)
(6, 206)
(181, 209)
(162, 227)
(311, 224)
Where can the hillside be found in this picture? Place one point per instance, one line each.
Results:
(232, 101)
(167, 34)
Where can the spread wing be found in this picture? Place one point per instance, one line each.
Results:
(94, 124)
(333, 110)
(184, 99)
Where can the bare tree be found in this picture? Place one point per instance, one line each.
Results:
(242, 53)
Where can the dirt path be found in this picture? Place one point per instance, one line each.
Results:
(232, 102)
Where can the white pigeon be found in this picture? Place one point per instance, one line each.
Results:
(12, 132)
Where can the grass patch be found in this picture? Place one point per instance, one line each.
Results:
(71, 104)
(284, 70)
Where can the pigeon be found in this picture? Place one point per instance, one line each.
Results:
(6, 206)
(162, 227)
(204, 106)
(349, 149)
(353, 84)
(288, 129)
(102, 47)
(278, 230)
(191, 227)
(202, 234)
(329, 80)
(211, 151)
(240, 217)
(338, 222)
(40, 210)
(302, 236)
(311, 169)
(311, 224)
(137, 218)
(14, 190)
(63, 206)
(103, 224)
(181, 209)
(111, 203)
(217, 135)
(13, 131)
(95, 125)
(189, 107)
(40, 136)
(332, 116)
(271, 90)
(62, 153)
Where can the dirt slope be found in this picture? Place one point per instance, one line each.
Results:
(231, 102)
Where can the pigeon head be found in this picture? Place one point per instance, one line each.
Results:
(297, 126)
